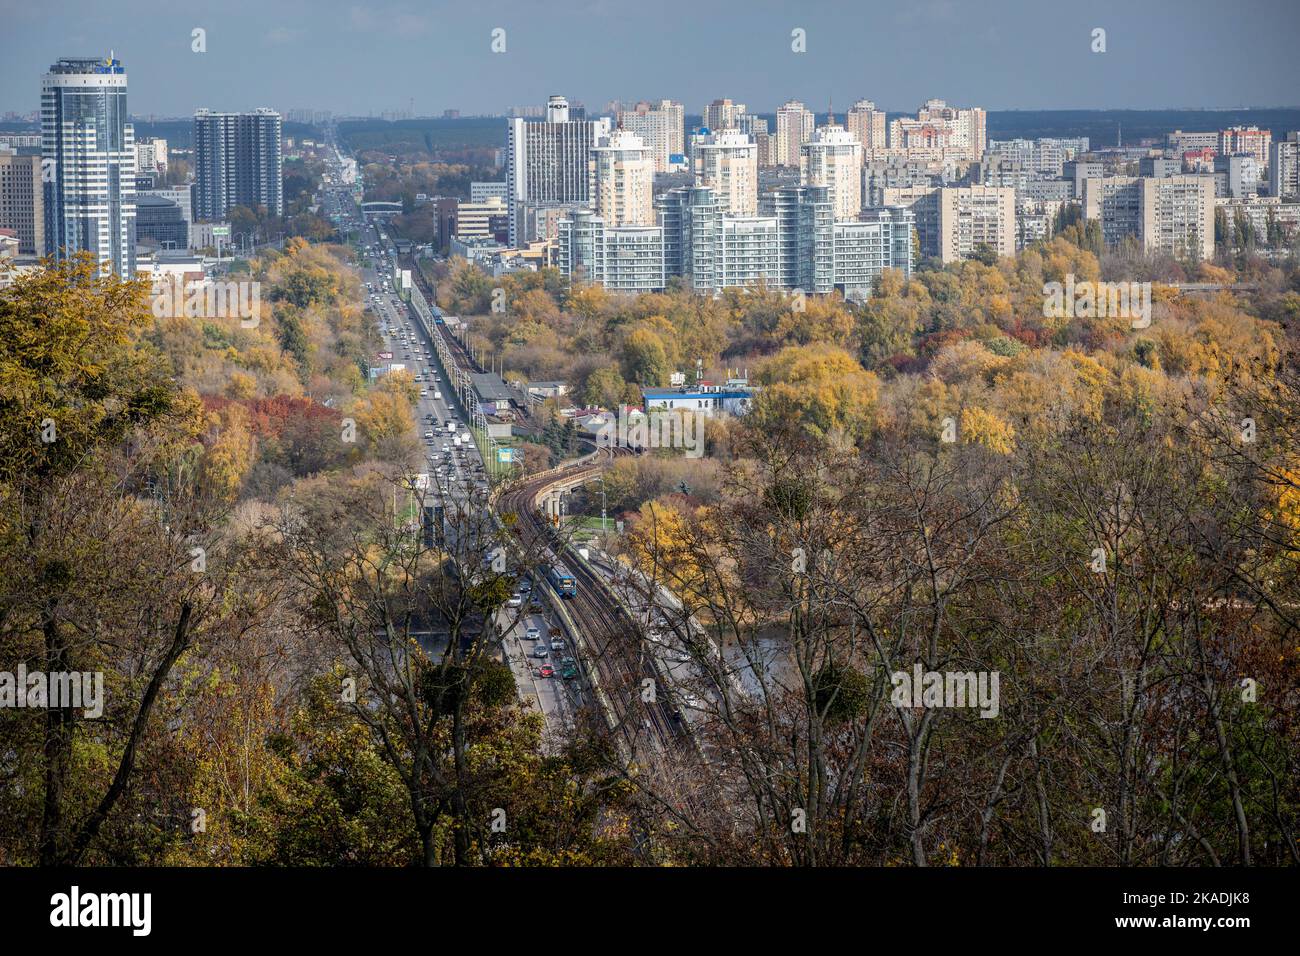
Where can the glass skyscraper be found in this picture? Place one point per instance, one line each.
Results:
(88, 163)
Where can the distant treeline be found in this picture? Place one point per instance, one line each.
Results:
(179, 133)
(1102, 127)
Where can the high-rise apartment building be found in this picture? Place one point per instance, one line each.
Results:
(88, 163)
(1044, 157)
(1284, 167)
(661, 128)
(548, 162)
(867, 125)
(954, 222)
(621, 258)
(833, 158)
(794, 127)
(624, 180)
(151, 155)
(1174, 215)
(942, 131)
(22, 203)
(238, 161)
(804, 219)
(793, 244)
(1246, 140)
(723, 114)
(727, 162)
(975, 216)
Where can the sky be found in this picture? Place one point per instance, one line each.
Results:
(363, 58)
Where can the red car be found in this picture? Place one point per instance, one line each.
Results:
(546, 670)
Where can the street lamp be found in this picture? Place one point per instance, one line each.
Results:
(603, 504)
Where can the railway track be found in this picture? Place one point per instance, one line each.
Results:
(608, 633)
(459, 353)
(657, 738)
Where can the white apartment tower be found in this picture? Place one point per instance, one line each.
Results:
(661, 128)
(547, 162)
(625, 179)
(88, 163)
(794, 127)
(727, 162)
(833, 158)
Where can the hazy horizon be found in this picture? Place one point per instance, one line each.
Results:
(367, 59)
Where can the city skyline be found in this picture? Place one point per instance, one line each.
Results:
(426, 61)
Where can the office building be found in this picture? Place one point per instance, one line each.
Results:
(480, 220)
(88, 148)
(161, 221)
(481, 192)
(238, 161)
(22, 201)
(548, 163)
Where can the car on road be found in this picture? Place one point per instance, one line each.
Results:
(514, 601)
(546, 670)
(532, 633)
(557, 644)
(541, 650)
(568, 668)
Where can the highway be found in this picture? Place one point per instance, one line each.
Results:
(618, 682)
